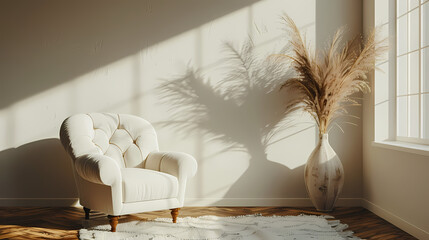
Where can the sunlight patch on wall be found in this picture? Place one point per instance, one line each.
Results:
(293, 146)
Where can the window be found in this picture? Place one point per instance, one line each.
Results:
(401, 99)
(412, 78)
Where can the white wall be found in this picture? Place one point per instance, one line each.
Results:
(59, 58)
(395, 183)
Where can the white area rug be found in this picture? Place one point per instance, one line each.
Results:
(250, 227)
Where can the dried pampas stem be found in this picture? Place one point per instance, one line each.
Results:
(326, 82)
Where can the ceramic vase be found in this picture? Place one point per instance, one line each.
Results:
(324, 176)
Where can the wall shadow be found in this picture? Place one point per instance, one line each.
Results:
(25, 178)
(244, 111)
(46, 43)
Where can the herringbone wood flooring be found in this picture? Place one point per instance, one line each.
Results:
(64, 223)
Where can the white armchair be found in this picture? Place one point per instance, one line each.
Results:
(119, 169)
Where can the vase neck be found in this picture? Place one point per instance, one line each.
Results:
(324, 137)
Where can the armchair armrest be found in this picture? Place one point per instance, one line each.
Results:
(98, 168)
(178, 164)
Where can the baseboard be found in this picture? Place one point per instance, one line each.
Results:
(191, 202)
(395, 220)
(272, 202)
(38, 202)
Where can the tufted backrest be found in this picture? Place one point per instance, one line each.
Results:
(126, 138)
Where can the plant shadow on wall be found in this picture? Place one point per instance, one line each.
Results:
(244, 111)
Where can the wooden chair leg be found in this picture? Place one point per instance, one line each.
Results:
(113, 220)
(87, 211)
(174, 214)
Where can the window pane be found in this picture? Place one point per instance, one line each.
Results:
(414, 29)
(413, 4)
(402, 32)
(402, 116)
(413, 121)
(401, 6)
(402, 77)
(425, 24)
(425, 116)
(425, 70)
(381, 93)
(413, 68)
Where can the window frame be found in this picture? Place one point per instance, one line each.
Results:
(389, 134)
(407, 53)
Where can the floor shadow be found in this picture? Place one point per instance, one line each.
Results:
(38, 170)
(46, 43)
(244, 111)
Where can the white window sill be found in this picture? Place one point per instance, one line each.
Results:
(403, 147)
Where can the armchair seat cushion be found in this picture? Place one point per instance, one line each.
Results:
(144, 185)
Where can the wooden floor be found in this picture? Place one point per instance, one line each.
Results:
(64, 223)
